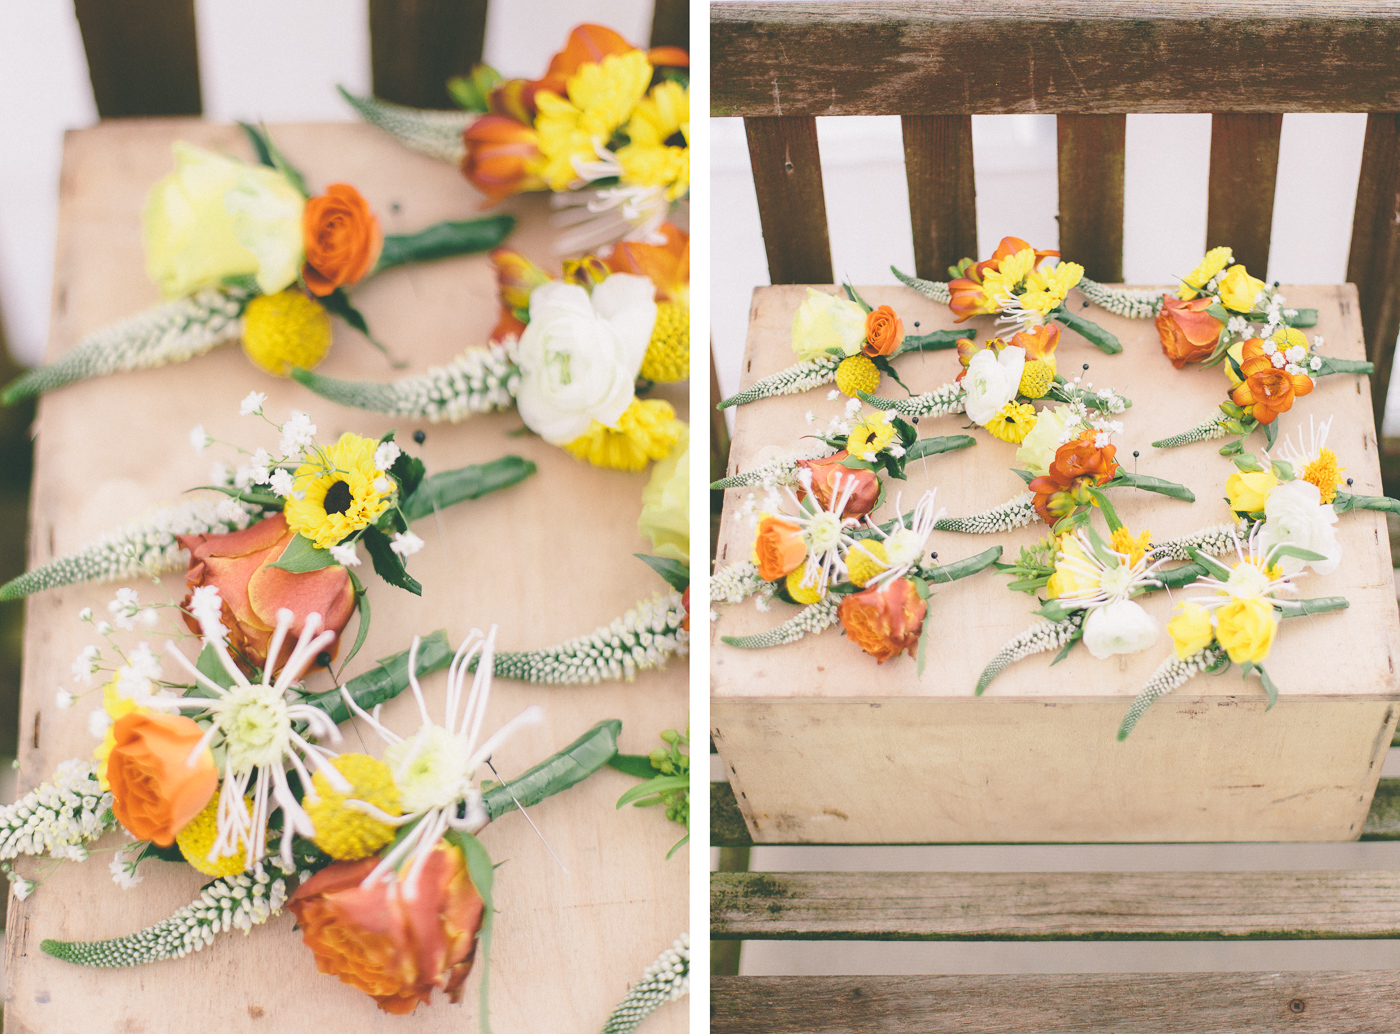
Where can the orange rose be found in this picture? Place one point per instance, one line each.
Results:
(1188, 333)
(883, 331)
(500, 153)
(1267, 390)
(825, 473)
(393, 948)
(342, 239)
(685, 603)
(154, 792)
(778, 548)
(238, 563)
(884, 621)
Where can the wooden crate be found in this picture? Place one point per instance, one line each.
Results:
(547, 560)
(823, 745)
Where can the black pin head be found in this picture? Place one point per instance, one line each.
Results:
(916, 324)
(1348, 482)
(1086, 367)
(420, 436)
(933, 556)
(1084, 305)
(323, 659)
(1136, 454)
(913, 420)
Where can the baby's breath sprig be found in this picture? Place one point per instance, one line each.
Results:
(665, 980)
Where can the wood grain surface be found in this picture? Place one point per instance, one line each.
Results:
(787, 176)
(1243, 172)
(1131, 1003)
(1089, 160)
(942, 191)
(1374, 261)
(546, 560)
(900, 57)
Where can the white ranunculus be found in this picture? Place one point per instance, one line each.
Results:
(992, 381)
(1294, 515)
(1121, 627)
(580, 354)
(823, 323)
(1038, 450)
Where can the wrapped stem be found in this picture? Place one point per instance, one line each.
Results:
(556, 773)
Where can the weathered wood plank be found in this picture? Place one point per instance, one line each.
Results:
(1243, 171)
(938, 906)
(141, 55)
(787, 176)
(942, 191)
(670, 24)
(1090, 158)
(415, 46)
(1374, 263)
(1131, 1003)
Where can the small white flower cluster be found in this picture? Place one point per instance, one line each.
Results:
(665, 980)
(1014, 513)
(781, 471)
(386, 455)
(1039, 638)
(1132, 304)
(811, 619)
(735, 583)
(252, 404)
(951, 398)
(123, 866)
(799, 377)
(345, 555)
(126, 611)
(57, 816)
(482, 379)
(234, 902)
(405, 544)
(1216, 540)
(298, 434)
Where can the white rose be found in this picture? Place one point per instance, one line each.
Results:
(824, 322)
(1121, 627)
(1294, 515)
(992, 381)
(580, 354)
(1038, 450)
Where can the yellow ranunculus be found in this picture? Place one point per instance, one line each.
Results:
(1245, 628)
(1190, 629)
(1068, 581)
(216, 217)
(823, 322)
(1038, 448)
(665, 518)
(1248, 491)
(1238, 289)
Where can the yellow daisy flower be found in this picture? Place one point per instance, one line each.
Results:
(870, 436)
(658, 154)
(1046, 289)
(1216, 259)
(342, 491)
(1012, 422)
(601, 97)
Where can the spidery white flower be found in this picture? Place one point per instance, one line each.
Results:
(905, 544)
(824, 531)
(1250, 578)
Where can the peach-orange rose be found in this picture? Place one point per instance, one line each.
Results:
(342, 239)
(825, 473)
(883, 331)
(1266, 390)
(238, 563)
(778, 548)
(884, 621)
(500, 152)
(1188, 333)
(154, 792)
(393, 948)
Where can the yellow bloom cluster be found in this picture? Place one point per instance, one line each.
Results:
(347, 834)
(284, 330)
(865, 560)
(1003, 281)
(658, 154)
(197, 839)
(1216, 259)
(668, 353)
(647, 430)
(1012, 422)
(1046, 289)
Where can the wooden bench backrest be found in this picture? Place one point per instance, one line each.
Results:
(780, 65)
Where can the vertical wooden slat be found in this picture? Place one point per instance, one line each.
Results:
(670, 24)
(1243, 171)
(787, 176)
(141, 56)
(415, 46)
(1091, 193)
(942, 191)
(1374, 263)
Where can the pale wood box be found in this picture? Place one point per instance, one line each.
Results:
(821, 744)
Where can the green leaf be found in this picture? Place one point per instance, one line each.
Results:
(1110, 515)
(301, 556)
(1150, 484)
(1179, 577)
(213, 669)
(655, 785)
(968, 566)
(260, 147)
(921, 655)
(936, 446)
(269, 155)
(1219, 312)
(439, 491)
(1054, 610)
(883, 364)
(338, 303)
(676, 573)
(556, 773)
(1024, 475)
(1096, 335)
(1297, 552)
(638, 766)
(483, 875)
(1212, 565)
(444, 240)
(1269, 686)
(1270, 433)
(851, 293)
(386, 680)
(1101, 549)
(677, 846)
(1302, 318)
(473, 92)
(1064, 650)
(934, 342)
(408, 470)
(362, 607)
(388, 564)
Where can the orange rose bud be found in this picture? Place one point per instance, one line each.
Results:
(1188, 333)
(1267, 390)
(500, 153)
(825, 474)
(394, 948)
(883, 332)
(778, 548)
(239, 564)
(342, 239)
(884, 621)
(155, 792)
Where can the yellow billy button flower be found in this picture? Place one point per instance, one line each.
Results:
(1133, 547)
(1248, 491)
(343, 831)
(1012, 422)
(855, 374)
(1245, 628)
(1238, 289)
(284, 330)
(197, 839)
(668, 353)
(866, 559)
(1191, 629)
(342, 491)
(1216, 259)
(647, 430)
(1036, 377)
(803, 593)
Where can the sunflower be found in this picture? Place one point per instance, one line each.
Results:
(341, 491)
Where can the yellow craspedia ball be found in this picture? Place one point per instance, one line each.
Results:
(1036, 378)
(856, 374)
(286, 329)
(799, 592)
(668, 354)
(865, 560)
(197, 838)
(347, 834)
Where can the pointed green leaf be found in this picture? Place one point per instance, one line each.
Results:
(676, 573)
(301, 556)
(388, 564)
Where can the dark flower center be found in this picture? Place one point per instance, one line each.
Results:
(338, 498)
(676, 139)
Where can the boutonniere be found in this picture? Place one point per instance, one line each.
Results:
(245, 252)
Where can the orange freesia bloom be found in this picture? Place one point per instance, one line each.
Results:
(154, 792)
(1266, 389)
(884, 621)
(828, 469)
(516, 277)
(1077, 463)
(1039, 343)
(778, 548)
(1188, 333)
(665, 265)
(342, 238)
(394, 948)
(500, 153)
(884, 331)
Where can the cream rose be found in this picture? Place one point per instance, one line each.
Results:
(992, 381)
(1038, 449)
(823, 323)
(216, 217)
(1295, 515)
(1121, 627)
(665, 516)
(580, 354)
